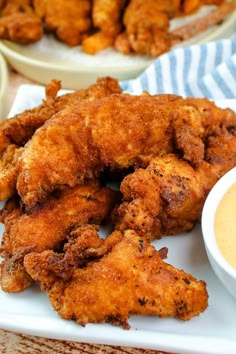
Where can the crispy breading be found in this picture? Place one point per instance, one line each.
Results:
(76, 143)
(16, 131)
(47, 226)
(167, 197)
(22, 28)
(146, 27)
(164, 199)
(130, 279)
(106, 15)
(70, 19)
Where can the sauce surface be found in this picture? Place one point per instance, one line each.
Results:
(225, 225)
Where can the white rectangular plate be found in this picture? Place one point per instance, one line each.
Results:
(212, 332)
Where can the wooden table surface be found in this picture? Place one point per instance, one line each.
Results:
(17, 343)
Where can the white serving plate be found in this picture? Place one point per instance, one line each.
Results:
(213, 332)
(49, 58)
(3, 87)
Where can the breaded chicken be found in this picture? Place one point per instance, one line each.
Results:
(146, 27)
(164, 199)
(80, 141)
(16, 131)
(106, 16)
(19, 23)
(115, 132)
(70, 20)
(22, 28)
(47, 226)
(167, 197)
(130, 279)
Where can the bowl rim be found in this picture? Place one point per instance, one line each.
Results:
(207, 220)
(7, 48)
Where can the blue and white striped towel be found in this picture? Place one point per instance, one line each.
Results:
(206, 70)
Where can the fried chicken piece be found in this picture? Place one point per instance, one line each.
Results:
(70, 20)
(8, 171)
(19, 23)
(106, 15)
(47, 226)
(19, 129)
(10, 7)
(16, 131)
(130, 279)
(77, 143)
(22, 28)
(146, 27)
(168, 196)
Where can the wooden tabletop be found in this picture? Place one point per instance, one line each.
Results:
(18, 343)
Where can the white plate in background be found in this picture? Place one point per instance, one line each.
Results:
(213, 332)
(50, 59)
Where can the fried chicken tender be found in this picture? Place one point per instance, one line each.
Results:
(16, 131)
(130, 279)
(106, 15)
(19, 23)
(167, 197)
(70, 19)
(147, 24)
(146, 27)
(76, 143)
(46, 227)
(22, 28)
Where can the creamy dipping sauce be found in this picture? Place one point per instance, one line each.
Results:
(225, 225)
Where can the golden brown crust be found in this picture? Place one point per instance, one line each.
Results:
(131, 279)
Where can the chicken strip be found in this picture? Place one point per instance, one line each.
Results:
(115, 132)
(22, 28)
(16, 131)
(79, 142)
(47, 226)
(106, 15)
(70, 20)
(19, 23)
(168, 196)
(146, 27)
(130, 279)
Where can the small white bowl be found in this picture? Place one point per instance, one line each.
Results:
(224, 271)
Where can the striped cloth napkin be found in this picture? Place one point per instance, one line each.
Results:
(205, 70)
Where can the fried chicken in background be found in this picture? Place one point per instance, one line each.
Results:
(147, 24)
(79, 142)
(146, 27)
(76, 143)
(129, 279)
(106, 16)
(19, 23)
(129, 26)
(46, 227)
(70, 19)
(16, 131)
